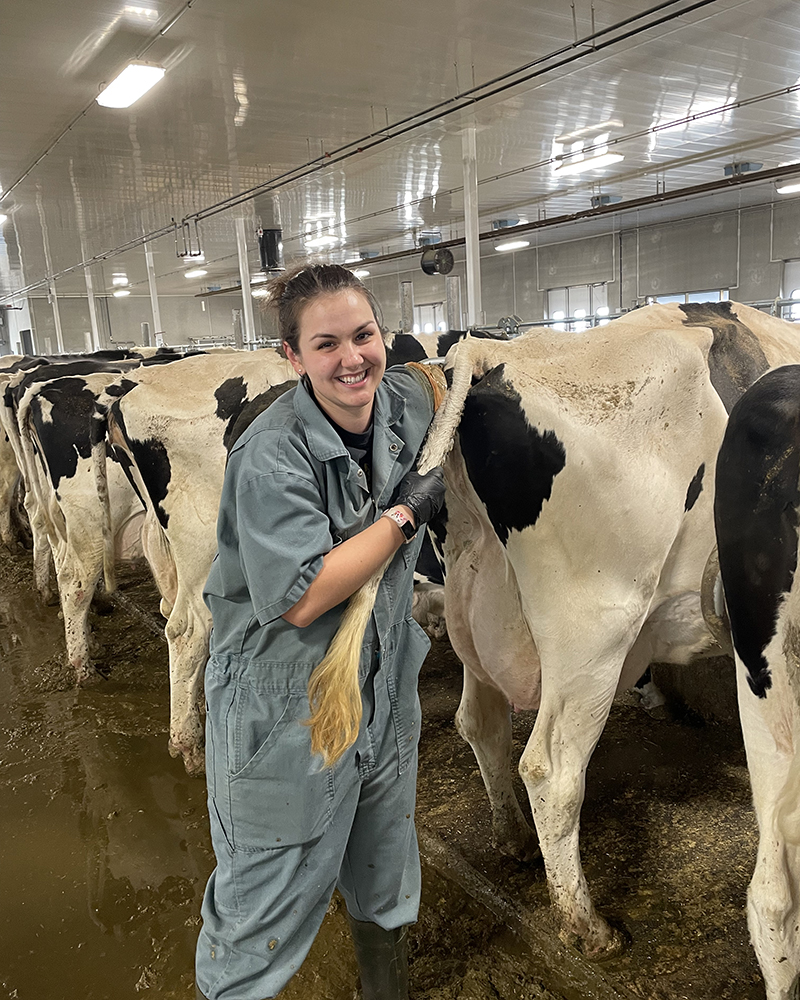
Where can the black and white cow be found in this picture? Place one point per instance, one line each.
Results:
(579, 501)
(756, 516)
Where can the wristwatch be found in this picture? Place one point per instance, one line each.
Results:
(403, 521)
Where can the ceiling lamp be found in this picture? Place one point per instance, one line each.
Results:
(134, 81)
(315, 242)
(119, 278)
(512, 245)
(257, 279)
(789, 187)
(120, 292)
(196, 273)
(259, 293)
(588, 163)
(361, 272)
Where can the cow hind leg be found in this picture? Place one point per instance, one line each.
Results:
(188, 630)
(773, 909)
(77, 584)
(484, 721)
(574, 708)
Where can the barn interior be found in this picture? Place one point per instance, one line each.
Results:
(635, 151)
(577, 160)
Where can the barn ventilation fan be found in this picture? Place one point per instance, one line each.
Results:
(436, 260)
(270, 249)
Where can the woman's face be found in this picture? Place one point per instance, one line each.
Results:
(341, 349)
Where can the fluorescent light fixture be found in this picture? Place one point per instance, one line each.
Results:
(589, 163)
(601, 311)
(321, 241)
(120, 292)
(119, 278)
(512, 245)
(790, 187)
(259, 293)
(3, 218)
(134, 81)
(196, 273)
(590, 130)
(361, 272)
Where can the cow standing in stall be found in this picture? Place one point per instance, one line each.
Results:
(579, 524)
(756, 515)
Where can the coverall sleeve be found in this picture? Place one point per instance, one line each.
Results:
(283, 535)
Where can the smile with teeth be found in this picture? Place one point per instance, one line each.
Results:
(352, 379)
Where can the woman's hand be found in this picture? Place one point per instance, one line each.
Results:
(423, 495)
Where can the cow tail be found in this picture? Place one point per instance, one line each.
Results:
(334, 694)
(443, 429)
(99, 459)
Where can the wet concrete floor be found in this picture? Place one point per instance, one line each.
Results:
(105, 848)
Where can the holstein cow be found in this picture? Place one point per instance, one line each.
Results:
(170, 432)
(167, 430)
(37, 372)
(756, 515)
(579, 523)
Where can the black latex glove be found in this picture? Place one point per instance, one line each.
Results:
(423, 495)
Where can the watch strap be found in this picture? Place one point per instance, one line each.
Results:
(403, 521)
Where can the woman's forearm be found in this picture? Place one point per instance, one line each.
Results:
(347, 567)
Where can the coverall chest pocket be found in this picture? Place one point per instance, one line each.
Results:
(279, 795)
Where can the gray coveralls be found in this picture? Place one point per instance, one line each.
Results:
(285, 830)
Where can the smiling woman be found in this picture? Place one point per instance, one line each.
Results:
(319, 493)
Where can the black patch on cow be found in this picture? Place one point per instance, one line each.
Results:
(231, 397)
(510, 464)
(65, 433)
(120, 388)
(404, 348)
(430, 561)
(241, 421)
(735, 359)
(446, 340)
(695, 487)
(755, 513)
(152, 462)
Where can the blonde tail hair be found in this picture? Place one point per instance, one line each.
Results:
(334, 694)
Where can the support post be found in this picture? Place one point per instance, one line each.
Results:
(56, 317)
(244, 274)
(452, 302)
(151, 281)
(407, 306)
(95, 338)
(470, 168)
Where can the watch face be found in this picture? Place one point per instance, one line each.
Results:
(408, 529)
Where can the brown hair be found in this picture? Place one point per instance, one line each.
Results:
(292, 290)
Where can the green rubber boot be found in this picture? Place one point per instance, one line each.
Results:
(382, 958)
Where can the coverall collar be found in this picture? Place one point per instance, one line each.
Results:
(323, 441)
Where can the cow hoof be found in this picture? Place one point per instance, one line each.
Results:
(605, 943)
(87, 678)
(523, 847)
(194, 758)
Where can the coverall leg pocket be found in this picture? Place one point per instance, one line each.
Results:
(280, 795)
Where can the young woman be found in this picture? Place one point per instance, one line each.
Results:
(319, 493)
